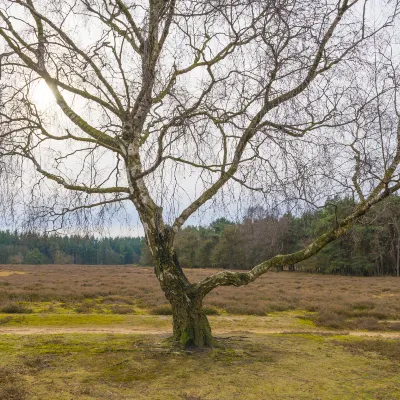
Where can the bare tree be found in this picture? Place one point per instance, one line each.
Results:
(269, 96)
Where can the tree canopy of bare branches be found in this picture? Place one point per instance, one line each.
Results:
(168, 104)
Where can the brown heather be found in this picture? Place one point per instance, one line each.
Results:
(371, 303)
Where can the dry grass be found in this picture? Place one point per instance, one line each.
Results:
(332, 301)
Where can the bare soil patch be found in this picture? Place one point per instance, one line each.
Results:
(8, 273)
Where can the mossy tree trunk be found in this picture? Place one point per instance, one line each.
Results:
(190, 324)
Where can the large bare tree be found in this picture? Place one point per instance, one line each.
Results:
(168, 104)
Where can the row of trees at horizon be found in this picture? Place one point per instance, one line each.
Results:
(34, 248)
(370, 248)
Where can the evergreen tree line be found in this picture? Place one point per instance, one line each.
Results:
(33, 248)
(370, 248)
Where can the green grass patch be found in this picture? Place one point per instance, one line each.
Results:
(62, 320)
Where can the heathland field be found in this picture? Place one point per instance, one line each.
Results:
(101, 332)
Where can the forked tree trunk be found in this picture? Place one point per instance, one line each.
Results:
(190, 323)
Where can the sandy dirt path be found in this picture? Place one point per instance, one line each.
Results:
(132, 331)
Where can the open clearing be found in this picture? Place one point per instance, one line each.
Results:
(71, 332)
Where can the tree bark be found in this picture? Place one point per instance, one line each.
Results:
(190, 324)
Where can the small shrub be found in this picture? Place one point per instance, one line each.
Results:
(116, 300)
(15, 308)
(363, 305)
(89, 295)
(368, 323)
(162, 310)
(367, 314)
(210, 310)
(330, 319)
(118, 309)
(85, 308)
(311, 307)
(244, 309)
(393, 326)
(279, 307)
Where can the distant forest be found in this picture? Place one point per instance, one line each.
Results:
(370, 248)
(32, 248)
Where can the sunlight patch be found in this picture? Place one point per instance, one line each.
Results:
(8, 273)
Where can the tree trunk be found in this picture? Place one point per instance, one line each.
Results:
(190, 323)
